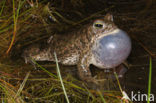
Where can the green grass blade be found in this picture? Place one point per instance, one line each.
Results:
(2, 7)
(14, 14)
(52, 75)
(116, 76)
(43, 69)
(59, 75)
(20, 4)
(149, 80)
(102, 98)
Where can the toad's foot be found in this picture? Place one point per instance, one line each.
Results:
(84, 71)
(85, 75)
(31, 61)
(92, 83)
(120, 70)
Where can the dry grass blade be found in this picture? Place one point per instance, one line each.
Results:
(9, 94)
(22, 85)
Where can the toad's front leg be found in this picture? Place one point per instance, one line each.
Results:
(84, 71)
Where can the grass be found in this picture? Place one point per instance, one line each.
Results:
(9, 93)
(3, 5)
(149, 80)
(60, 77)
(71, 85)
(15, 17)
(102, 98)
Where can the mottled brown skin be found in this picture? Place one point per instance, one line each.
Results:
(76, 45)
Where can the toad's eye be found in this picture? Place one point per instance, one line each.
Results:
(98, 24)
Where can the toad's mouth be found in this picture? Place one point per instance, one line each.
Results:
(111, 50)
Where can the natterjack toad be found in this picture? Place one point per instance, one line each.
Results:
(100, 43)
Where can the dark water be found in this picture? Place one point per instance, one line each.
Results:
(136, 78)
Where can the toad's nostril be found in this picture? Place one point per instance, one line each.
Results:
(113, 49)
